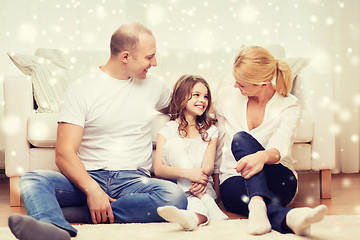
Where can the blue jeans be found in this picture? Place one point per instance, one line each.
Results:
(138, 196)
(275, 183)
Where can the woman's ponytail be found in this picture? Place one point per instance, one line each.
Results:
(283, 78)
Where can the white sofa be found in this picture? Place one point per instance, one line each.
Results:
(31, 136)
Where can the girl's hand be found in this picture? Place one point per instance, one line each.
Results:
(251, 165)
(198, 190)
(196, 175)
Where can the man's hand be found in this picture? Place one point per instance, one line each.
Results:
(196, 175)
(251, 165)
(99, 206)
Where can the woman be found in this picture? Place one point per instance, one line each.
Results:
(258, 118)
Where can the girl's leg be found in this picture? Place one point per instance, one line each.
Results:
(213, 209)
(174, 154)
(195, 215)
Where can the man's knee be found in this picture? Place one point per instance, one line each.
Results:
(174, 195)
(34, 179)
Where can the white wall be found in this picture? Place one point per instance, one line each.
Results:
(327, 31)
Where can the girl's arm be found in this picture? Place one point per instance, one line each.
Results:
(207, 166)
(209, 157)
(170, 172)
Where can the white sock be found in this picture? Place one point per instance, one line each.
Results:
(258, 221)
(300, 219)
(213, 209)
(187, 219)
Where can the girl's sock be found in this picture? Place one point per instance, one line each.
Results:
(213, 209)
(258, 221)
(300, 219)
(187, 219)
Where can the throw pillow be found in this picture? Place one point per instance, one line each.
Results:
(50, 76)
(297, 65)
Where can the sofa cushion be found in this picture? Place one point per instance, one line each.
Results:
(42, 128)
(301, 153)
(50, 76)
(42, 158)
(305, 132)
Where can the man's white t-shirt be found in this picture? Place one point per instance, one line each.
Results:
(116, 117)
(281, 120)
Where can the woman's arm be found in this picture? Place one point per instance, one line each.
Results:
(278, 146)
(171, 172)
(252, 164)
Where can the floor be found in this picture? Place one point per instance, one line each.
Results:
(345, 195)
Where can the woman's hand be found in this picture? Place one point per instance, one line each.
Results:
(196, 175)
(198, 190)
(251, 165)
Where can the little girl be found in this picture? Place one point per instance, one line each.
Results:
(185, 151)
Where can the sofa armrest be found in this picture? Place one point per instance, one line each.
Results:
(19, 104)
(317, 99)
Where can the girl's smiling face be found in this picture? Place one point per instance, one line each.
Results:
(199, 100)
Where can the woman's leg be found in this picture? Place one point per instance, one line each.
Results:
(265, 205)
(244, 144)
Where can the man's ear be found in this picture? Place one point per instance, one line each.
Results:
(124, 56)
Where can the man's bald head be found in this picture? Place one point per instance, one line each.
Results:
(126, 38)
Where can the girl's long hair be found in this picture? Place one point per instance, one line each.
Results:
(182, 93)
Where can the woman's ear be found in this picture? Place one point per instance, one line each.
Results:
(266, 83)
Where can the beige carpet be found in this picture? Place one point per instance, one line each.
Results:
(338, 227)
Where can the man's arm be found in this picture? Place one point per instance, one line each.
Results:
(68, 141)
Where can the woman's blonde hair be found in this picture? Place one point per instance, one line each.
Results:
(256, 65)
(182, 93)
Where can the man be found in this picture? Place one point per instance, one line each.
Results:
(103, 148)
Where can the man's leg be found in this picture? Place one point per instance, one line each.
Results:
(138, 196)
(44, 193)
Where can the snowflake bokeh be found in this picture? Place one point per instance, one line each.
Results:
(325, 31)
